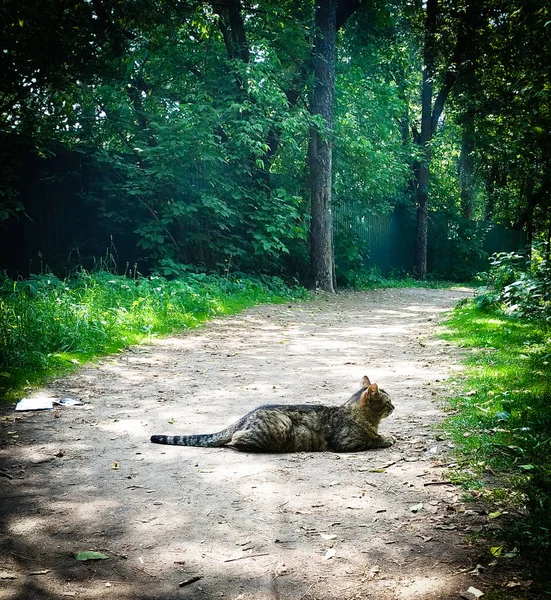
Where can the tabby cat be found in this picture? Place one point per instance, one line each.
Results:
(303, 427)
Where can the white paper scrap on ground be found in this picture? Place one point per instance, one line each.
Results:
(69, 402)
(42, 403)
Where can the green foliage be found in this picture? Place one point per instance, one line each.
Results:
(501, 420)
(507, 98)
(48, 324)
(197, 150)
(519, 287)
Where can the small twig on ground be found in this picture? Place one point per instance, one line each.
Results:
(445, 482)
(190, 580)
(307, 591)
(21, 556)
(119, 574)
(144, 571)
(248, 556)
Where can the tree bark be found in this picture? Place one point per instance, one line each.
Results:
(427, 129)
(548, 243)
(432, 113)
(320, 151)
(466, 170)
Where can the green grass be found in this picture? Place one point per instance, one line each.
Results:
(48, 325)
(500, 419)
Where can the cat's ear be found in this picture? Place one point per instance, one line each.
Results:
(365, 381)
(371, 390)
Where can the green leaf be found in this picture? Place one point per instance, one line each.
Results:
(527, 467)
(494, 515)
(90, 555)
(496, 550)
(416, 507)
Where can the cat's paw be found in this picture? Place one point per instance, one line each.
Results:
(386, 442)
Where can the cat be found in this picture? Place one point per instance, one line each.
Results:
(302, 427)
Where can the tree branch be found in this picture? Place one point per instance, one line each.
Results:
(452, 73)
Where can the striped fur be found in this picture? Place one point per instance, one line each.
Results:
(302, 427)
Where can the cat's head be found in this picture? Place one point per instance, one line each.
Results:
(377, 400)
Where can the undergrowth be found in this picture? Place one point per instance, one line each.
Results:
(500, 423)
(49, 325)
(374, 279)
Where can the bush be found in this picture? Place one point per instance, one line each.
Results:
(518, 287)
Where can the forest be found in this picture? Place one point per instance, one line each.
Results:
(262, 137)
(164, 162)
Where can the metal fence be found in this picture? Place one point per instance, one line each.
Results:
(456, 247)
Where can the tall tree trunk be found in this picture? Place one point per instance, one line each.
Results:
(548, 243)
(431, 113)
(427, 129)
(466, 171)
(320, 151)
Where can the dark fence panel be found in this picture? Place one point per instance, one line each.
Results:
(457, 247)
(59, 229)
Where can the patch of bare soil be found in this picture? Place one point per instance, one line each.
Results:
(180, 522)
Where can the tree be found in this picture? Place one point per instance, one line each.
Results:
(512, 114)
(329, 17)
(466, 20)
(320, 151)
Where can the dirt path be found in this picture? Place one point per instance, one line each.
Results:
(299, 526)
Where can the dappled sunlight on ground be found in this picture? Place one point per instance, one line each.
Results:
(252, 526)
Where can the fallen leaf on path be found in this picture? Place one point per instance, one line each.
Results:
(330, 553)
(328, 536)
(89, 555)
(374, 571)
(471, 593)
(477, 570)
(115, 465)
(514, 584)
(496, 550)
(494, 515)
(416, 507)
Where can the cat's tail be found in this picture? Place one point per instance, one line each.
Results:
(207, 440)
